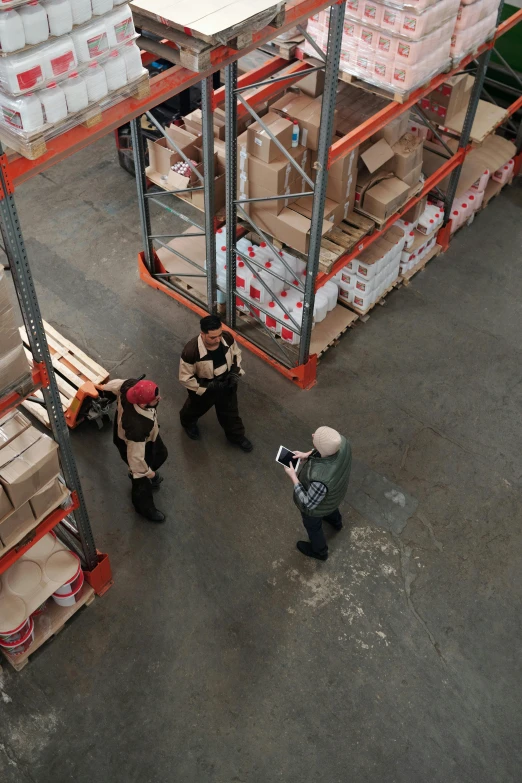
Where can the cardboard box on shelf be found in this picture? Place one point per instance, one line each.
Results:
(5, 504)
(19, 522)
(451, 97)
(407, 155)
(14, 367)
(313, 84)
(276, 206)
(413, 177)
(48, 498)
(198, 197)
(181, 136)
(26, 469)
(259, 143)
(289, 227)
(385, 198)
(333, 211)
(413, 214)
(9, 336)
(307, 112)
(162, 157)
(393, 131)
(11, 426)
(177, 181)
(279, 173)
(375, 155)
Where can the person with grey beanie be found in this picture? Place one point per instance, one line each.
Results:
(320, 487)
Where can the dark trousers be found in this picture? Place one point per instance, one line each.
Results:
(314, 528)
(227, 411)
(141, 493)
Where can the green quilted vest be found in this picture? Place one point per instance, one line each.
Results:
(333, 471)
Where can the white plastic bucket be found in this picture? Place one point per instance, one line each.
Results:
(73, 596)
(18, 646)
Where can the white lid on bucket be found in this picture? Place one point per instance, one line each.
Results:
(61, 567)
(24, 576)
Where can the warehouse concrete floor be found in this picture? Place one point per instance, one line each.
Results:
(223, 655)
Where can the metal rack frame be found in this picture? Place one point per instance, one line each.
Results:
(263, 82)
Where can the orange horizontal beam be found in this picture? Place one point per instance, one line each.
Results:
(514, 106)
(12, 400)
(429, 184)
(39, 532)
(508, 23)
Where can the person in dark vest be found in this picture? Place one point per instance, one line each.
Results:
(210, 369)
(137, 438)
(321, 486)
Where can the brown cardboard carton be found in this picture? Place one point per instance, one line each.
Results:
(393, 131)
(255, 190)
(198, 197)
(16, 525)
(289, 227)
(307, 112)
(413, 177)
(383, 199)
(48, 498)
(407, 155)
(11, 426)
(276, 176)
(312, 85)
(376, 155)
(27, 472)
(181, 136)
(413, 214)
(9, 335)
(177, 181)
(450, 97)
(14, 367)
(162, 157)
(341, 190)
(344, 167)
(5, 504)
(259, 143)
(331, 209)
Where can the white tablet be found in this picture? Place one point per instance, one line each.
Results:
(286, 457)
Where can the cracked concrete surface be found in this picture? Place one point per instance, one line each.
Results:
(221, 655)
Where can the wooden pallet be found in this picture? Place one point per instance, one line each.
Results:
(381, 301)
(49, 624)
(34, 145)
(407, 276)
(382, 92)
(327, 333)
(492, 190)
(72, 367)
(283, 49)
(343, 238)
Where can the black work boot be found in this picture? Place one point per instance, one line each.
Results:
(152, 514)
(156, 481)
(193, 432)
(244, 444)
(305, 548)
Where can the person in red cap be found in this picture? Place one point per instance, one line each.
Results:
(137, 438)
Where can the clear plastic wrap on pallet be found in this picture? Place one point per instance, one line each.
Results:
(57, 107)
(54, 60)
(14, 367)
(467, 39)
(410, 23)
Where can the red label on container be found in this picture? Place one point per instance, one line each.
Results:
(270, 322)
(29, 78)
(370, 11)
(403, 49)
(358, 301)
(353, 4)
(255, 293)
(361, 286)
(286, 334)
(410, 22)
(380, 69)
(97, 45)
(384, 44)
(12, 117)
(349, 28)
(124, 30)
(62, 63)
(390, 17)
(363, 271)
(362, 62)
(367, 36)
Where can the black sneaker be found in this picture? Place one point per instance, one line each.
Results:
(193, 432)
(156, 481)
(305, 548)
(245, 445)
(153, 516)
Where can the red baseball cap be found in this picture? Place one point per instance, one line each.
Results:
(142, 393)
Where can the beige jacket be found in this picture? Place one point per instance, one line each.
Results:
(196, 368)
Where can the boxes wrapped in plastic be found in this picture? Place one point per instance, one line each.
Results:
(407, 22)
(466, 39)
(14, 367)
(37, 66)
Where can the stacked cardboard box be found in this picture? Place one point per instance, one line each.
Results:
(389, 172)
(29, 468)
(14, 368)
(450, 97)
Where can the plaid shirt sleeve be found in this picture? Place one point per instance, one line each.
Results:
(313, 497)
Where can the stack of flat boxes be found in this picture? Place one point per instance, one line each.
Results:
(14, 368)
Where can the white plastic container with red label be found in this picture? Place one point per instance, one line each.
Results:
(120, 27)
(36, 26)
(290, 333)
(91, 41)
(23, 113)
(19, 645)
(504, 173)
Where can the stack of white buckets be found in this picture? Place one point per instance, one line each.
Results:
(464, 207)
(64, 56)
(282, 283)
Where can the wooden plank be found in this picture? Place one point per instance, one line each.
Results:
(75, 379)
(487, 118)
(333, 247)
(326, 333)
(97, 368)
(382, 92)
(68, 391)
(49, 624)
(67, 359)
(38, 411)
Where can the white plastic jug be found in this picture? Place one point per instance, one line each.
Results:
(24, 71)
(221, 236)
(60, 57)
(54, 103)
(221, 278)
(115, 71)
(243, 276)
(221, 256)
(290, 298)
(134, 66)
(332, 293)
(23, 113)
(275, 311)
(81, 11)
(320, 306)
(34, 19)
(91, 41)
(96, 82)
(345, 292)
(75, 93)
(120, 27)
(258, 292)
(59, 14)
(480, 184)
(100, 7)
(286, 331)
(12, 35)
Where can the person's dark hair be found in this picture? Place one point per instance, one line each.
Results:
(210, 323)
